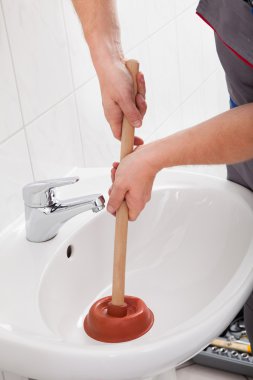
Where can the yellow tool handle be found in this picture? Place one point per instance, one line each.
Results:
(239, 346)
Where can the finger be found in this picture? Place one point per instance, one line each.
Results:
(138, 141)
(114, 116)
(141, 104)
(116, 198)
(132, 216)
(115, 164)
(141, 85)
(131, 112)
(135, 206)
(113, 172)
(109, 191)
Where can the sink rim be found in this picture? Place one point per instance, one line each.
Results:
(49, 344)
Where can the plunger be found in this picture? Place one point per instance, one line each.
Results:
(120, 318)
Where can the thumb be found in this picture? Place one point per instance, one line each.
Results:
(117, 196)
(131, 112)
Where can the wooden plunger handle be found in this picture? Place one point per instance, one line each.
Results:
(120, 242)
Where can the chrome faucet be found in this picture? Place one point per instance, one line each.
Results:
(44, 213)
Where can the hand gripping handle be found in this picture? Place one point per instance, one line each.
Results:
(121, 225)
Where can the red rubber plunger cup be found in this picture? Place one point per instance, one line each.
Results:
(120, 318)
(127, 322)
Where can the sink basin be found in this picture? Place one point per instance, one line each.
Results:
(190, 258)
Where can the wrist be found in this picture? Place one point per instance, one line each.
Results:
(160, 156)
(107, 55)
(151, 156)
(105, 48)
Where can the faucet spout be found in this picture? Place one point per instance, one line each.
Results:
(94, 202)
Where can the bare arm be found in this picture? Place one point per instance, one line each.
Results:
(226, 138)
(102, 32)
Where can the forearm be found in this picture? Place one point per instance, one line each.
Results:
(101, 29)
(226, 138)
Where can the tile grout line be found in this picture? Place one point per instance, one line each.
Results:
(185, 100)
(26, 124)
(81, 85)
(84, 83)
(73, 85)
(178, 63)
(181, 104)
(49, 109)
(158, 29)
(3, 141)
(17, 88)
(44, 112)
(59, 101)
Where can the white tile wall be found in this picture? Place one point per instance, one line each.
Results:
(15, 170)
(10, 115)
(183, 5)
(159, 13)
(100, 148)
(82, 67)
(165, 74)
(172, 125)
(39, 48)
(189, 52)
(51, 117)
(55, 142)
(210, 60)
(142, 54)
(133, 19)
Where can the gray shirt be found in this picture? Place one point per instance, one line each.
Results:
(232, 21)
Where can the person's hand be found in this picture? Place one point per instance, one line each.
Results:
(133, 180)
(118, 99)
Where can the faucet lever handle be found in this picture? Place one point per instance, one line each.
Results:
(58, 182)
(41, 193)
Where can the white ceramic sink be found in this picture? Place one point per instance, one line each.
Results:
(190, 258)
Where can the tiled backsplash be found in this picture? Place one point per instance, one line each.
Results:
(51, 117)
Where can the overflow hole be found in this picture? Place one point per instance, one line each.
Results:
(69, 251)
